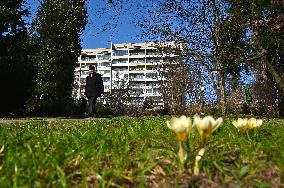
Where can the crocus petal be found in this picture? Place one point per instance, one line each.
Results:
(236, 124)
(181, 126)
(217, 124)
(196, 120)
(206, 126)
(219, 121)
(259, 122)
(169, 125)
(201, 152)
(251, 123)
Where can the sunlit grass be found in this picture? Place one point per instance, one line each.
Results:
(133, 152)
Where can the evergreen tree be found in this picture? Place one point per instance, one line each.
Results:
(16, 68)
(57, 30)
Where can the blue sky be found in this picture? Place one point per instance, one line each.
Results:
(99, 32)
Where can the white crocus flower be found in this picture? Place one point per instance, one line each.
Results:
(254, 123)
(182, 127)
(206, 126)
(241, 124)
(244, 124)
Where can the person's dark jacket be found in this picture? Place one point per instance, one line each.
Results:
(94, 85)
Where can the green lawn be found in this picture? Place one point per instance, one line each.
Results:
(136, 152)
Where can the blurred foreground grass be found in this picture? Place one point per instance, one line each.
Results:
(136, 152)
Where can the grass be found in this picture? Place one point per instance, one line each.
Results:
(136, 152)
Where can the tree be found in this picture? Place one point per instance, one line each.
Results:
(17, 70)
(197, 25)
(125, 95)
(267, 24)
(261, 23)
(173, 75)
(57, 30)
(225, 37)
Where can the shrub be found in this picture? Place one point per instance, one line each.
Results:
(106, 111)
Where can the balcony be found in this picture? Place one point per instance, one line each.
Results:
(152, 86)
(106, 79)
(139, 86)
(106, 87)
(137, 95)
(153, 94)
(137, 78)
(151, 76)
(137, 55)
(151, 61)
(120, 63)
(116, 72)
(137, 52)
(106, 75)
(88, 59)
(117, 54)
(132, 70)
(153, 53)
(136, 62)
(103, 57)
(103, 64)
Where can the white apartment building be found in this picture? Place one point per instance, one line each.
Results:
(132, 64)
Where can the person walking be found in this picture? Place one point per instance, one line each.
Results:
(93, 89)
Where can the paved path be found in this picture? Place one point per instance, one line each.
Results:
(14, 120)
(3, 121)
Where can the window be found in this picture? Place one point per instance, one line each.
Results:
(83, 65)
(119, 61)
(106, 79)
(120, 52)
(151, 75)
(156, 91)
(105, 64)
(107, 87)
(153, 61)
(153, 52)
(137, 53)
(103, 56)
(85, 72)
(148, 90)
(152, 84)
(137, 61)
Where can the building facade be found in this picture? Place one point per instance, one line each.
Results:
(131, 65)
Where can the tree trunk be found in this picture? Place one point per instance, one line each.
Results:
(222, 95)
(278, 79)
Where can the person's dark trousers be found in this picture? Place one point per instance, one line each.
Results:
(92, 106)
